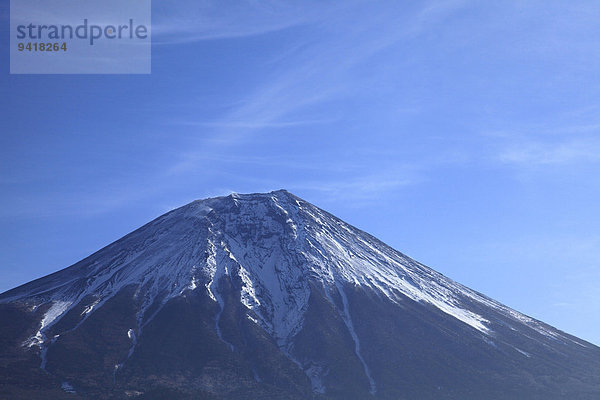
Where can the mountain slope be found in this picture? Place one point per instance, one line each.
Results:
(267, 296)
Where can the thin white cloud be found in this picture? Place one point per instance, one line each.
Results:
(538, 153)
(254, 124)
(192, 21)
(318, 71)
(358, 190)
(360, 187)
(88, 202)
(568, 138)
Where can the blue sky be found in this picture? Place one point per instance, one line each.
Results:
(465, 134)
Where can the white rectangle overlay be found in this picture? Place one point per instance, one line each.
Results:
(80, 37)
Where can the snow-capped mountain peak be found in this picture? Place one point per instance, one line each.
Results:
(274, 249)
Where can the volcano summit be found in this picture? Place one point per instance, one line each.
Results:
(265, 296)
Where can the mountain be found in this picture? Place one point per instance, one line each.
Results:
(265, 296)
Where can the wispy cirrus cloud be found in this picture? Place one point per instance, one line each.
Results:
(323, 68)
(540, 153)
(358, 190)
(568, 138)
(192, 21)
(254, 124)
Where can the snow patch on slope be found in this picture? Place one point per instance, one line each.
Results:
(57, 309)
(348, 321)
(361, 262)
